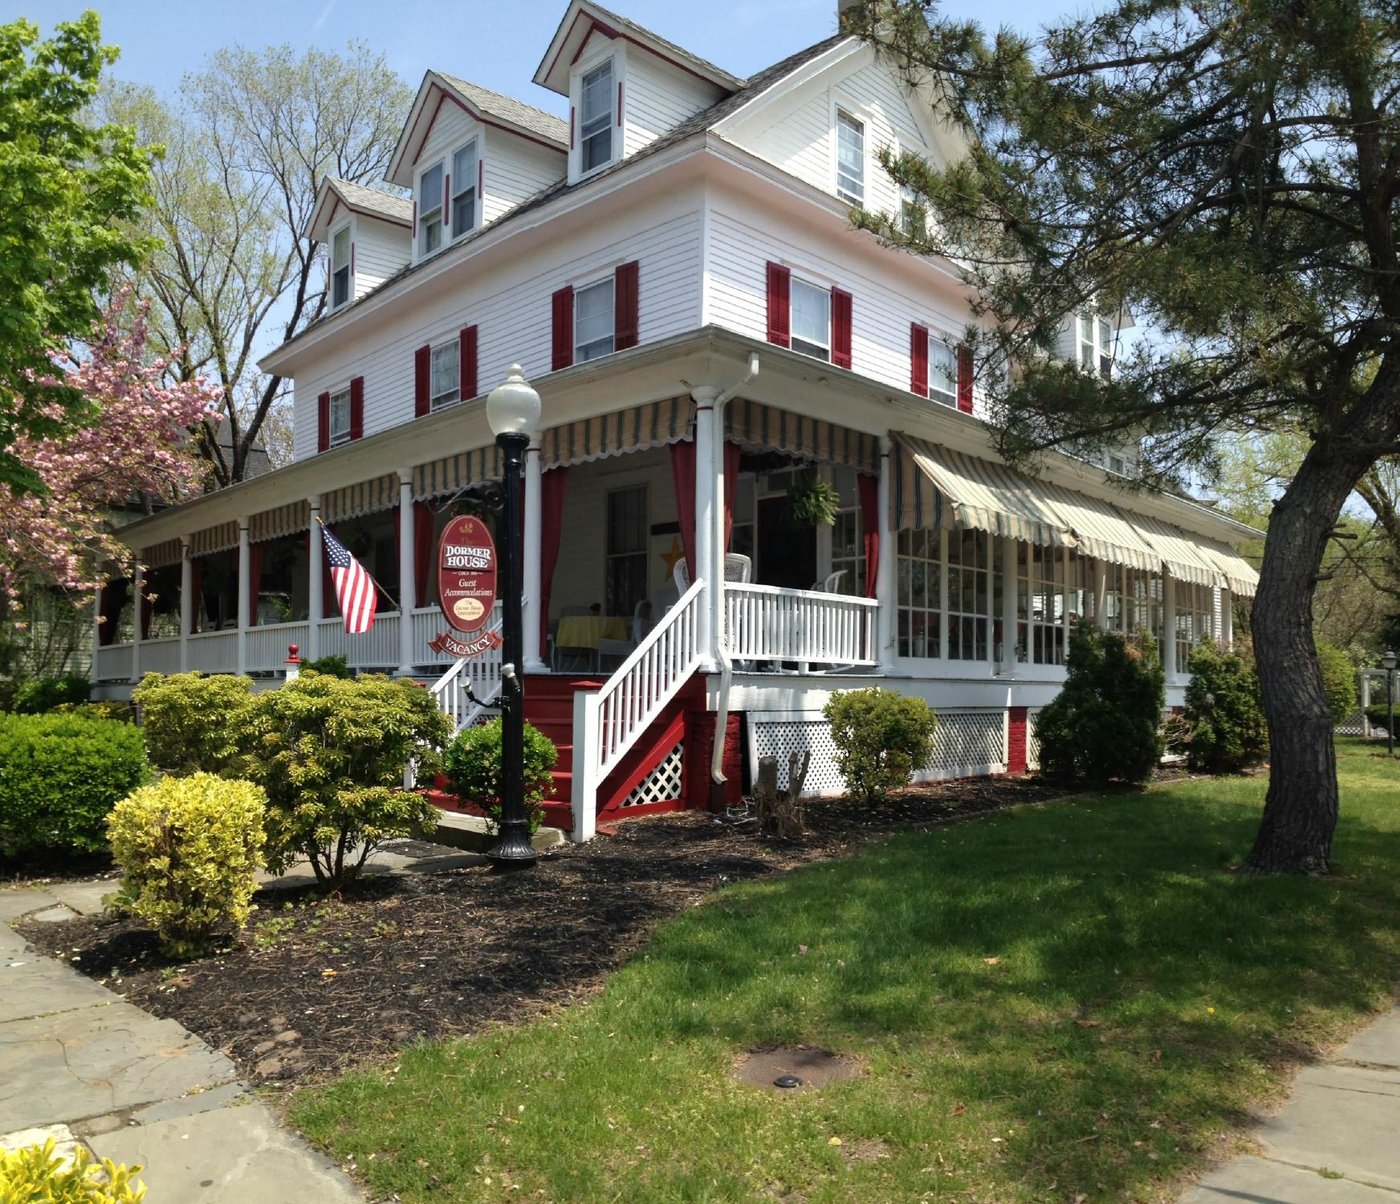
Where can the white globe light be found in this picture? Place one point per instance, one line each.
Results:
(513, 407)
(1388, 660)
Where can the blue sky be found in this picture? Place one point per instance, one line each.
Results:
(497, 45)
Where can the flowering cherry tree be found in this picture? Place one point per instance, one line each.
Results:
(136, 444)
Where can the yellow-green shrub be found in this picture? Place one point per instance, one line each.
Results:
(190, 849)
(190, 721)
(36, 1174)
(881, 738)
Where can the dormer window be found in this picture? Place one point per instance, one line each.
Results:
(430, 210)
(850, 158)
(596, 119)
(811, 319)
(464, 180)
(593, 320)
(340, 267)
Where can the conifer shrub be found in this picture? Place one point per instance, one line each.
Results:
(331, 666)
(36, 1174)
(1104, 726)
(881, 738)
(60, 775)
(1224, 719)
(472, 763)
(191, 721)
(43, 694)
(331, 755)
(190, 849)
(1338, 680)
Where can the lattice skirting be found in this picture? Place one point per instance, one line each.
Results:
(966, 743)
(1032, 739)
(1354, 724)
(664, 784)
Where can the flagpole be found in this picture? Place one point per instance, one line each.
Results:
(388, 597)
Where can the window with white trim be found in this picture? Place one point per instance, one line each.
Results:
(593, 320)
(596, 115)
(340, 267)
(625, 557)
(430, 210)
(340, 417)
(919, 572)
(942, 372)
(1195, 619)
(444, 377)
(811, 319)
(464, 198)
(1096, 340)
(850, 158)
(847, 534)
(969, 594)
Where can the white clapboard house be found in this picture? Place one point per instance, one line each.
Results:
(674, 266)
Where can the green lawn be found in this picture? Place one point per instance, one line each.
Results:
(1070, 1001)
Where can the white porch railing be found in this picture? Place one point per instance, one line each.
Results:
(766, 623)
(113, 662)
(607, 723)
(377, 648)
(266, 647)
(160, 656)
(215, 651)
(481, 674)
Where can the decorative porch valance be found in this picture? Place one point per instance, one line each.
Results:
(1239, 574)
(753, 424)
(1101, 531)
(284, 520)
(938, 487)
(639, 428)
(159, 555)
(1180, 552)
(363, 498)
(452, 474)
(214, 539)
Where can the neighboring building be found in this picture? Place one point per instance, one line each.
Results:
(675, 268)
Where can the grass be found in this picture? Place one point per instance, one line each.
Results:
(1065, 1002)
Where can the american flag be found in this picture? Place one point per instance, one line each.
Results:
(354, 587)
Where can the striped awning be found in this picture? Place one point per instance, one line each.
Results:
(637, 428)
(935, 486)
(1100, 530)
(1180, 552)
(755, 425)
(1239, 574)
(284, 520)
(452, 474)
(159, 555)
(214, 539)
(363, 498)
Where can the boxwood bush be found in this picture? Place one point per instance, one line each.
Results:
(43, 694)
(881, 738)
(191, 721)
(37, 1173)
(60, 776)
(473, 765)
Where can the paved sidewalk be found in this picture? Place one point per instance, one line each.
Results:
(79, 1062)
(1337, 1139)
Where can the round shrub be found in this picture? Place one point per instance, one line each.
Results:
(37, 1173)
(60, 775)
(189, 850)
(1104, 726)
(473, 764)
(43, 694)
(1225, 727)
(190, 721)
(881, 738)
(1338, 680)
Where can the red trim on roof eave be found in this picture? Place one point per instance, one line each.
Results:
(491, 123)
(616, 34)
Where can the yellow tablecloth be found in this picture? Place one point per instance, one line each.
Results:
(584, 631)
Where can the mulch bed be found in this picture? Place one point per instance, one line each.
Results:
(318, 983)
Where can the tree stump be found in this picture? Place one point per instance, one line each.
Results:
(780, 811)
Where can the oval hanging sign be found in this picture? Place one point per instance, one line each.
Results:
(466, 567)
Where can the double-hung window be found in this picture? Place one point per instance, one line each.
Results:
(340, 267)
(811, 319)
(464, 198)
(942, 372)
(445, 375)
(850, 158)
(430, 210)
(593, 320)
(596, 119)
(340, 417)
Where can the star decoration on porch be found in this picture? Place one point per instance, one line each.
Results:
(673, 555)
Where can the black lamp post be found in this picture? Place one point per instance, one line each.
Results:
(513, 410)
(1388, 662)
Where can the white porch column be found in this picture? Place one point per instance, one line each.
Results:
(96, 624)
(532, 572)
(707, 480)
(186, 601)
(1101, 592)
(1169, 626)
(942, 595)
(315, 602)
(1010, 629)
(887, 615)
(408, 588)
(1226, 634)
(138, 584)
(245, 569)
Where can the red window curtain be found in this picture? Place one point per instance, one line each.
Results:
(255, 559)
(357, 407)
(197, 590)
(323, 422)
(965, 379)
(779, 305)
(563, 319)
(731, 483)
(553, 487)
(147, 606)
(918, 359)
(868, 490)
(422, 365)
(422, 550)
(466, 362)
(109, 606)
(683, 472)
(625, 306)
(840, 328)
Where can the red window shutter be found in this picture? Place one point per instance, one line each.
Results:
(965, 379)
(323, 422)
(840, 328)
(779, 305)
(918, 359)
(446, 208)
(625, 306)
(357, 407)
(352, 261)
(563, 328)
(466, 362)
(571, 127)
(422, 366)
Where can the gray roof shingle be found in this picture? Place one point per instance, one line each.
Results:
(507, 108)
(372, 200)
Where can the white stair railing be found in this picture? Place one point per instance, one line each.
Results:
(608, 722)
(481, 675)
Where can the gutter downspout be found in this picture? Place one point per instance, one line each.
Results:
(726, 666)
